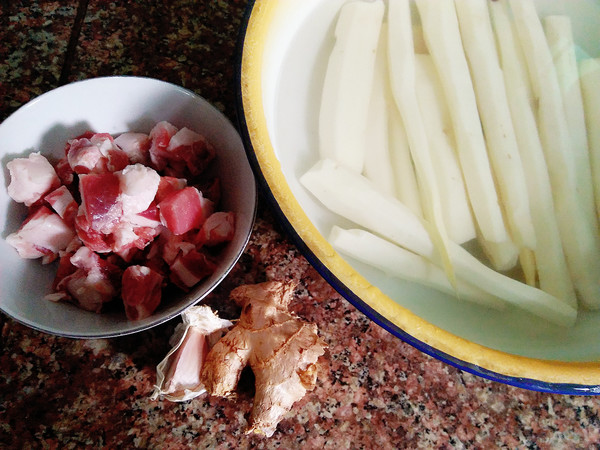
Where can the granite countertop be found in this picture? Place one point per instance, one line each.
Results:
(373, 391)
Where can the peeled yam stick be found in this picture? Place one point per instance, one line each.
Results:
(480, 50)
(399, 262)
(441, 33)
(401, 58)
(407, 188)
(502, 255)
(354, 197)
(420, 45)
(552, 271)
(456, 210)
(579, 236)
(590, 86)
(528, 264)
(378, 165)
(559, 35)
(348, 83)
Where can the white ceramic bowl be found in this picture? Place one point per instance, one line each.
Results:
(112, 105)
(282, 65)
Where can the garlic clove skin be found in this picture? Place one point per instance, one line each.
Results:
(178, 374)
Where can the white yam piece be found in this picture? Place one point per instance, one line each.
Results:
(378, 164)
(552, 271)
(502, 255)
(398, 262)
(407, 187)
(579, 236)
(590, 86)
(456, 210)
(480, 50)
(559, 35)
(354, 197)
(347, 87)
(401, 59)
(441, 33)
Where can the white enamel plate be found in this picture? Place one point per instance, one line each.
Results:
(282, 66)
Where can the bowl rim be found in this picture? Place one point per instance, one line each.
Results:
(574, 378)
(226, 270)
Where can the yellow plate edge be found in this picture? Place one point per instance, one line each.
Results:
(581, 373)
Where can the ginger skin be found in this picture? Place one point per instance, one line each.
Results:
(281, 350)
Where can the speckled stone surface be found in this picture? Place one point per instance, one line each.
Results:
(373, 391)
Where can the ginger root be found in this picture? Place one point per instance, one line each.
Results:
(281, 350)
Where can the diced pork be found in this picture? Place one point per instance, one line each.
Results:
(185, 210)
(100, 200)
(179, 153)
(172, 245)
(128, 212)
(160, 135)
(168, 186)
(136, 146)
(192, 149)
(93, 239)
(138, 185)
(65, 171)
(148, 218)
(141, 291)
(95, 154)
(190, 268)
(61, 200)
(31, 178)
(115, 158)
(42, 234)
(92, 281)
(65, 268)
(126, 236)
(218, 228)
(84, 157)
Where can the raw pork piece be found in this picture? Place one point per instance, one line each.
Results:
(31, 178)
(148, 218)
(141, 291)
(65, 171)
(100, 200)
(218, 228)
(111, 211)
(190, 268)
(42, 234)
(170, 245)
(91, 282)
(185, 210)
(168, 186)
(179, 153)
(125, 236)
(61, 200)
(160, 135)
(138, 185)
(95, 154)
(94, 240)
(136, 146)
(191, 149)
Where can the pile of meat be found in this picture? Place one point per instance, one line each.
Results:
(125, 216)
